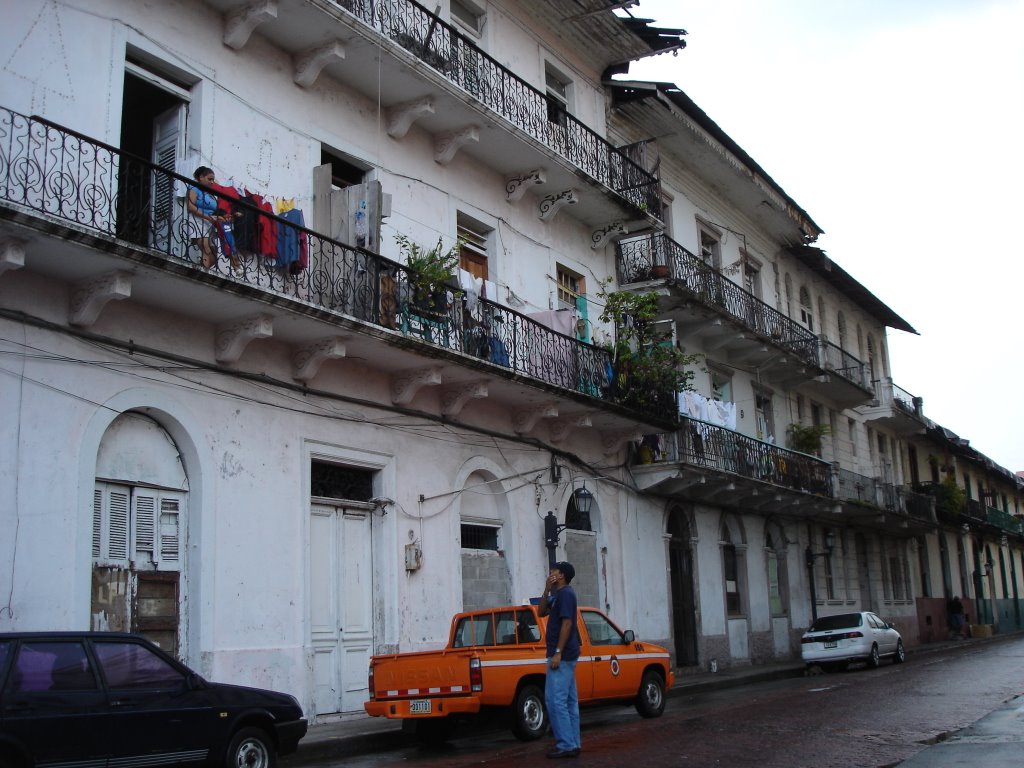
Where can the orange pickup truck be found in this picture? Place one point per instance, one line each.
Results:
(495, 659)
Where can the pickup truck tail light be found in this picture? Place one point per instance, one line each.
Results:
(830, 638)
(476, 675)
(369, 676)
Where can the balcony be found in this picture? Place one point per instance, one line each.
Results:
(707, 463)
(105, 222)
(732, 322)
(895, 408)
(875, 502)
(426, 72)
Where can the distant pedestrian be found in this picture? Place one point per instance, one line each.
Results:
(956, 617)
(558, 602)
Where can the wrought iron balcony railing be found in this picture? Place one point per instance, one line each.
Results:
(1004, 520)
(870, 491)
(451, 53)
(640, 259)
(974, 510)
(58, 173)
(886, 393)
(840, 362)
(701, 444)
(919, 506)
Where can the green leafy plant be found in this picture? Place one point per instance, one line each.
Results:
(807, 439)
(650, 370)
(430, 271)
(949, 501)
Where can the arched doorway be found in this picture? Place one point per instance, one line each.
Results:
(684, 607)
(138, 532)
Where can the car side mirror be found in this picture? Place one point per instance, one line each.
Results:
(195, 682)
(628, 637)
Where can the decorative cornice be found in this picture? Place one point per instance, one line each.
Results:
(612, 442)
(405, 385)
(400, 117)
(551, 204)
(307, 360)
(601, 236)
(448, 143)
(454, 399)
(233, 338)
(89, 297)
(309, 64)
(516, 186)
(560, 428)
(524, 421)
(240, 23)
(12, 254)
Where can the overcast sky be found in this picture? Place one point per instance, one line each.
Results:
(898, 126)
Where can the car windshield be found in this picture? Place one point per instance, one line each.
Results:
(841, 621)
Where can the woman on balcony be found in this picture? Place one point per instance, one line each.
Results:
(204, 215)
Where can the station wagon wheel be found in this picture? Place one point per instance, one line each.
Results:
(650, 701)
(529, 718)
(873, 658)
(251, 748)
(901, 655)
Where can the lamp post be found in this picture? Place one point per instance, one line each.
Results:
(584, 501)
(810, 556)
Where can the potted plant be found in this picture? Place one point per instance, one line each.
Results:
(807, 439)
(429, 273)
(650, 370)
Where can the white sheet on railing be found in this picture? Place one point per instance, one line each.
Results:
(718, 412)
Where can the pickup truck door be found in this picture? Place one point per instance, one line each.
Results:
(614, 670)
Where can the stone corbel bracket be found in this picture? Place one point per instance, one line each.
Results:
(240, 23)
(613, 442)
(233, 338)
(524, 421)
(89, 297)
(405, 385)
(560, 428)
(307, 360)
(447, 144)
(12, 254)
(601, 236)
(400, 117)
(309, 64)
(516, 186)
(551, 204)
(454, 399)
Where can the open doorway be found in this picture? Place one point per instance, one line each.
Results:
(153, 123)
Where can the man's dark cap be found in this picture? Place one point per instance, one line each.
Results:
(567, 570)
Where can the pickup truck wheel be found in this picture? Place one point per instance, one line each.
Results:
(650, 701)
(529, 718)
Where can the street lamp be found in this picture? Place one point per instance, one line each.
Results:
(584, 501)
(810, 556)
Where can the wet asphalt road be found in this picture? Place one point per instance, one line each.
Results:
(862, 717)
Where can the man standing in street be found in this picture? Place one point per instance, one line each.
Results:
(558, 603)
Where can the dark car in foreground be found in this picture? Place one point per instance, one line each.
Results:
(106, 698)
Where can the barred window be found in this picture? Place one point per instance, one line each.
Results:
(477, 536)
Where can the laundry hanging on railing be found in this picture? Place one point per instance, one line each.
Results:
(713, 411)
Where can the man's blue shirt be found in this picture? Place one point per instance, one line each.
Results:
(562, 605)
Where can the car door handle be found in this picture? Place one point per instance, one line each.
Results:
(122, 704)
(597, 658)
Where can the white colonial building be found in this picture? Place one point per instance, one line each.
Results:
(313, 450)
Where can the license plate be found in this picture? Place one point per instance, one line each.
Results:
(420, 707)
(827, 645)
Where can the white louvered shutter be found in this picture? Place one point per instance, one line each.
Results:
(169, 558)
